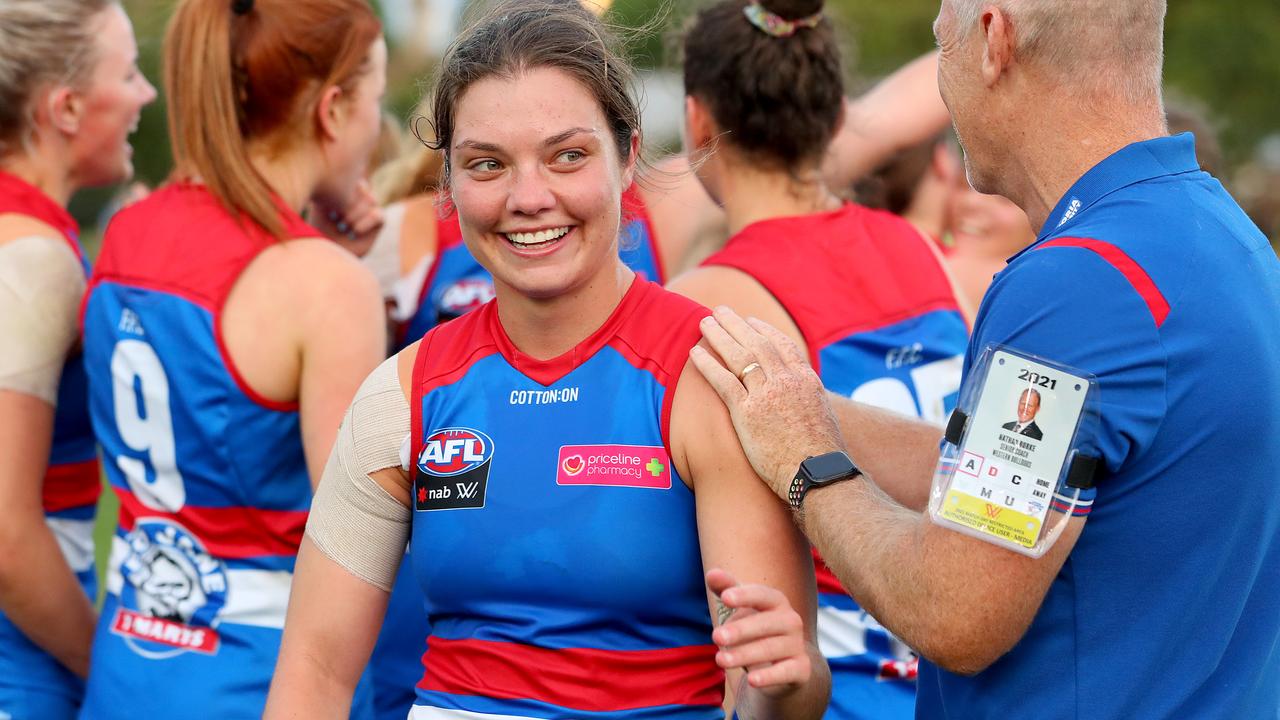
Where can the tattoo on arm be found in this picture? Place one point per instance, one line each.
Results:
(723, 612)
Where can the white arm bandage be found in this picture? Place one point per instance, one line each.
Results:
(41, 284)
(354, 521)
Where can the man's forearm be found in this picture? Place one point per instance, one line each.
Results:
(872, 544)
(41, 596)
(960, 602)
(898, 452)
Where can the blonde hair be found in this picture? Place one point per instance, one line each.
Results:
(1112, 46)
(42, 43)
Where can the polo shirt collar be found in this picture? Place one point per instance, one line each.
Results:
(1131, 164)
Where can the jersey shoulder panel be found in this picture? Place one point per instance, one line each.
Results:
(19, 197)
(448, 350)
(660, 337)
(181, 240)
(841, 272)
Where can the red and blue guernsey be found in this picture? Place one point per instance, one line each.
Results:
(458, 283)
(1150, 277)
(555, 544)
(882, 326)
(70, 491)
(211, 476)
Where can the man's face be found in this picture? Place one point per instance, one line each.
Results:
(1028, 406)
(960, 84)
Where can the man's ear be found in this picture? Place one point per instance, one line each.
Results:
(331, 113)
(65, 109)
(997, 44)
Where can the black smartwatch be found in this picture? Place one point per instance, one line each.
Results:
(820, 471)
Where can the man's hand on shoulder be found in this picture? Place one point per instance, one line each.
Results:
(777, 402)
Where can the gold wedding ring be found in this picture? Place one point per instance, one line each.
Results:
(749, 368)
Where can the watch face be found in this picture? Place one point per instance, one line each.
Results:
(829, 467)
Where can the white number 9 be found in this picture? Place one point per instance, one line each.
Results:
(151, 431)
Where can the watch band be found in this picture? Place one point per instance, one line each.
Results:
(820, 471)
(795, 494)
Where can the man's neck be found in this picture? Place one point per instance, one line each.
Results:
(1062, 143)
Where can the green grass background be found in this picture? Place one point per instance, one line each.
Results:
(104, 526)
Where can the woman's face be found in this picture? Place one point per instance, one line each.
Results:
(537, 182)
(355, 126)
(112, 98)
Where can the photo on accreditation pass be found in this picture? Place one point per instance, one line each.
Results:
(1015, 448)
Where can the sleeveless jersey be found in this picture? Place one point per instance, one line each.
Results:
(71, 482)
(554, 542)
(882, 325)
(458, 283)
(211, 477)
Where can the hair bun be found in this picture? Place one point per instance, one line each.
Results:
(792, 9)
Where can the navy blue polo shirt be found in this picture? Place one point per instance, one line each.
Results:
(1149, 276)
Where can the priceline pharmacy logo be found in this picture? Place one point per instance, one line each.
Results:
(638, 466)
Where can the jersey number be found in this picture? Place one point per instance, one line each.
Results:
(933, 382)
(149, 431)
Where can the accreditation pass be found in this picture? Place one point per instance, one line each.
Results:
(1014, 449)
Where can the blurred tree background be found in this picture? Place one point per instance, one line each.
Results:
(1222, 55)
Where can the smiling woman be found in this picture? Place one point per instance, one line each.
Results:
(70, 94)
(607, 507)
(540, 202)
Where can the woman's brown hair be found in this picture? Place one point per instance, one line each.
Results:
(778, 98)
(251, 72)
(519, 35)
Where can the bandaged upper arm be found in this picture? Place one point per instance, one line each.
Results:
(354, 520)
(41, 285)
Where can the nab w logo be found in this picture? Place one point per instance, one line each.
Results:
(993, 512)
(453, 470)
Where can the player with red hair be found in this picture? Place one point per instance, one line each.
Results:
(223, 339)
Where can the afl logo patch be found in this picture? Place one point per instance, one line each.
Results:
(453, 469)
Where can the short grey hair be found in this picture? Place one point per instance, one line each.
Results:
(1109, 45)
(42, 43)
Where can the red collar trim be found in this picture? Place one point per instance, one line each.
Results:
(548, 372)
(19, 196)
